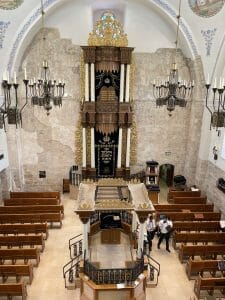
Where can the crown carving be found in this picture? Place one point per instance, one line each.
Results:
(108, 32)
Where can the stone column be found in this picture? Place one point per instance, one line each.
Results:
(128, 149)
(92, 147)
(86, 82)
(92, 82)
(127, 92)
(134, 221)
(85, 240)
(84, 153)
(120, 129)
(140, 240)
(142, 216)
(119, 148)
(92, 128)
(121, 82)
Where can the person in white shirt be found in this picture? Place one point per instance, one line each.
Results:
(165, 226)
(151, 229)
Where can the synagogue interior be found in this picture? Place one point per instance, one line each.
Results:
(112, 149)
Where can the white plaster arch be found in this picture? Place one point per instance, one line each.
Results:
(32, 23)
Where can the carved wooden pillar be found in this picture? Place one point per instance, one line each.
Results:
(121, 82)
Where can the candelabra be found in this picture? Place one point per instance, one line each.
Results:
(44, 90)
(9, 107)
(173, 91)
(216, 106)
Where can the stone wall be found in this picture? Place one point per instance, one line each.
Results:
(4, 185)
(167, 139)
(207, 176)
(47, 143)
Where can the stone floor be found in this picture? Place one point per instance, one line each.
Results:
(48, 283)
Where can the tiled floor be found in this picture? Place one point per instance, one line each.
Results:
(48, 283)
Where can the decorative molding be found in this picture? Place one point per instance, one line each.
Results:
(166, 7)
(9, 5)
(37, 13)
(3, 27)
(208, 37)
(24, 30)
(205, 8)
(108, 32)
(78, 143)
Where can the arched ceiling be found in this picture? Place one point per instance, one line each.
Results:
(150, 24)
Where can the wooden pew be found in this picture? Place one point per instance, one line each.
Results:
(205, 251)
(20, 254)
(189, 200)
(16, 271)
(13, 289)
(31, 201)
(31, 218)
(175, 193)
(22, 240)
(32, 209)
(198, 237)
(16, 229)
(54, 194)
(181, 207)
(190, 216)
(195, 267)
(196, 226)
(209, 284)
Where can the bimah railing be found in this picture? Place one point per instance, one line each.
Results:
(115, 275)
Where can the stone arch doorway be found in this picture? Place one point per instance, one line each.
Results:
(166, 174)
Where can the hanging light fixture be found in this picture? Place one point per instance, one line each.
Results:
(173, 91)
(9, 107)
(44, 91)
(216, 106)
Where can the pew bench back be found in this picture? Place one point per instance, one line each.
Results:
(16, 229)
(209, 284)
(14, 255)
(17, 271)
(55, 194)
(13, 289)
(195, 267)
(31, 201)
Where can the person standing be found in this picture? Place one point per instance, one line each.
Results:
(151, 229)
(165, 226)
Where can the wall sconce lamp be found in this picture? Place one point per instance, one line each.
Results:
(215, 153)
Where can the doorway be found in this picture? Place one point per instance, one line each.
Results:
(166, 174)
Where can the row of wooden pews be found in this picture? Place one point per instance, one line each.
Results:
(198, 239)
(32, 207)
(24, 220)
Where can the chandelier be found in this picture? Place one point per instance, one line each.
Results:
(9, 108)
(44, 91)
(173, 91)
(216, 106)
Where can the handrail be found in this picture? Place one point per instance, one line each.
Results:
(76, 246)
(73, 266)
(155, 261)
(74, 238)
(151, 266)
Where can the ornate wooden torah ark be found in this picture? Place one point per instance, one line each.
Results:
(106, 114)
